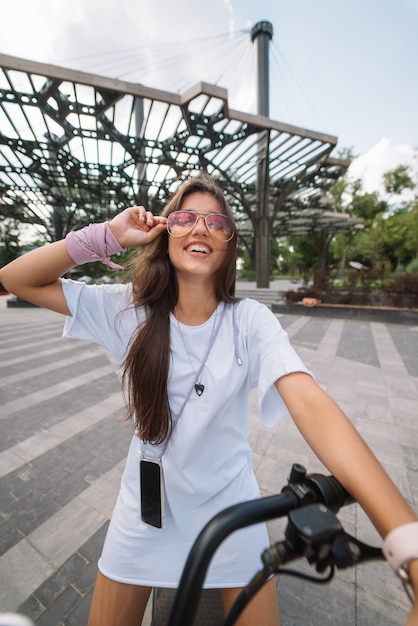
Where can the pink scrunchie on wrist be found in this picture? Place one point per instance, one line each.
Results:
(95, 242)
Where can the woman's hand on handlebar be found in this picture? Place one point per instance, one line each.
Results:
(413, 573)
(136, 226)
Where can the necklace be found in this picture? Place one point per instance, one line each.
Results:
(199, 387)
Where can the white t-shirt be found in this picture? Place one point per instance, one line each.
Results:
(207, 462)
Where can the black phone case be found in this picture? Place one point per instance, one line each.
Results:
(152, 492)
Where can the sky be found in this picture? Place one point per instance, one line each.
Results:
(345, 68)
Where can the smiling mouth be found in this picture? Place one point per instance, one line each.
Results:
(200, 249)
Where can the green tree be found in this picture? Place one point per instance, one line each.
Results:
(389, 236)
(398, 179)
(9, 241)
(398, 237)
(368, 206)
(306, 251)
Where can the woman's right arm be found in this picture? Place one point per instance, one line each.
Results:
(36, 276)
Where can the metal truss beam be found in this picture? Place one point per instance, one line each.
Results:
(82, 143)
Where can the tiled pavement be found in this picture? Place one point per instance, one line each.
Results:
(62, 449)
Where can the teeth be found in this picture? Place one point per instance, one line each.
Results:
(198, 249)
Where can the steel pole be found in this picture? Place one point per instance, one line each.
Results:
(262, 33)
(142, 198)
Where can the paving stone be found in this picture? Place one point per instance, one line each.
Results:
(50, 411)
(32, 607)
(21, 580)
(56, 540)
(56, 584)
(303, 603)
(59, 611)
(91, 550)
(357, 343)
(374, 610)
(405, 339)
(86, 578)
(31, 348)
(311, 334)
(28, 363)
(79, 614)
(23, 520)
(37, 382)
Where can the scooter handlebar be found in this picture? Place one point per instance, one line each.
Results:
(301, 490)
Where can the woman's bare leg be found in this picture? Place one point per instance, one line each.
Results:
(117, 604)
(263, 610)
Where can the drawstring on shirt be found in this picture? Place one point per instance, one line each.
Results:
(235, 330)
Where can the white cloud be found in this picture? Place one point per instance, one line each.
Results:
(45, 30)
(28, 29)
(383, 157)
(228, 4)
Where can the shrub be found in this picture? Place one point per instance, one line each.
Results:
(412, 267)
(364, 287)
(402, 290)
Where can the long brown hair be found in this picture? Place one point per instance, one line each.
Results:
(146, 367)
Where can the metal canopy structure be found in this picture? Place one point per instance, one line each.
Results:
(75, 145)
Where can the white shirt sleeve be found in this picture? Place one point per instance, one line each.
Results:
(272, 356)
(103, 314)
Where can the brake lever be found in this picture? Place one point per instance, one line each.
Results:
(347, 551)
(315, 533)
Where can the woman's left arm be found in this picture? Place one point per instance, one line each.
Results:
(342, 450)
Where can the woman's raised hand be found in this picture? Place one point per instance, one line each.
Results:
(136, 226)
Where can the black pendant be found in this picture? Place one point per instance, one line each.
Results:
(199, 388)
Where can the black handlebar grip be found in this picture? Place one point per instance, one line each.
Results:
(329, 491)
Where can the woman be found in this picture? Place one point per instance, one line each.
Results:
(190, 354)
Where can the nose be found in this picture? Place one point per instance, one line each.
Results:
(200, 225)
